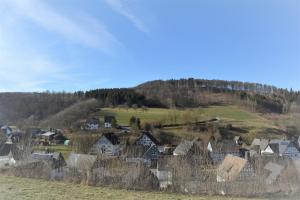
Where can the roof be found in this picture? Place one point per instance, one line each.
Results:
(237, 138)
(274, 147)
(5, 149)
(224, 146)
(48, 134)
(185, 146)
(42, 156)
(81, 161)
(231, 167)
(113, 138)
(275, 170)
(108, 119)
(150, 136)
(262, 143)
(282, 145)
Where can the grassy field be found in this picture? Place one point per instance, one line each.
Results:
(13, 188)
(255, 124)
(229, 113)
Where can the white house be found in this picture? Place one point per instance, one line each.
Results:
(108, 145)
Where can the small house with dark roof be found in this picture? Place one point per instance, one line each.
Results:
(108, 145)
(219, 149)
(238, 140)
(147, 139)
(108, 121)
(92, 124)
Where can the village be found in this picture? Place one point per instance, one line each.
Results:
(118, 158)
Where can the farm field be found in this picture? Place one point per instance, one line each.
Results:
(14, 188)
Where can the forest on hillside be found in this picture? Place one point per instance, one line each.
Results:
(183, 93)
(200, 92)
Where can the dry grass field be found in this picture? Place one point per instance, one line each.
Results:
(13, 188)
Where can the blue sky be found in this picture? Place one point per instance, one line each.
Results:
(77, 45)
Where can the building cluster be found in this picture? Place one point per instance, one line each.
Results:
(189, 166)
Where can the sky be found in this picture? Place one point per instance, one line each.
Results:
(70, 45)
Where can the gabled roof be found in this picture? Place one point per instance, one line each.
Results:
(113, 138)
(262, 143)
(230, 168)
(185, 147)
(224, 146)
(282, 145)
(150, 136)
(274, 147)
(48, 134)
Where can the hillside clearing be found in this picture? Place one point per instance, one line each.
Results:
(255, 124)
(28, 189)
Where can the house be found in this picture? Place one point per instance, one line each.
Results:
(55, 160)
(282, 148)
(59, 139)
(108, 144)
(258, 145)
(108, 121)
(234, 168)
(238, 140)
(194, 151)
(144, 154)
(6, 156)
(92, 124)
(147, 139)
(274, 172)
(219, 149)
(6, 130)
(47, 137)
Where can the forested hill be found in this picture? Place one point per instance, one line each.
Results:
(171, 93)
(195, 92)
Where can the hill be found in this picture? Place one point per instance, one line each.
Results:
(200, 92)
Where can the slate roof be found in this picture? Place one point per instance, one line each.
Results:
(185, 146)
(48, 134)
(224, 146)
(113, 138)
(149, 135)
(274, 147)
(262, 143)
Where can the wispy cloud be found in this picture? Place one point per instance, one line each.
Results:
(28, 63)
(124, 8)
(82, 30)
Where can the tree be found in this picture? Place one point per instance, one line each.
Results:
(135, 123)
(114, 123)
